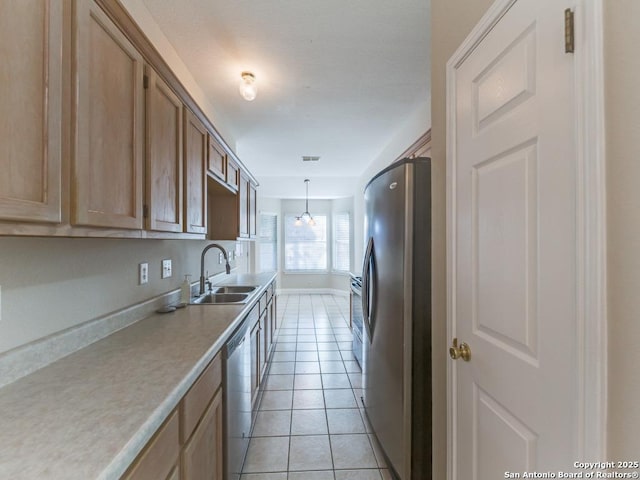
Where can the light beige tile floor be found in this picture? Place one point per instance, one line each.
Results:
(309, 424)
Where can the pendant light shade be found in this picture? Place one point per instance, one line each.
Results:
(306, 216)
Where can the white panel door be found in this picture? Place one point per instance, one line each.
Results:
(514, 240)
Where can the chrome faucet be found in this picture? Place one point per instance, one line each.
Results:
(226, 259)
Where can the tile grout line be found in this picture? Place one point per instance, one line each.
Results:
(312, 323)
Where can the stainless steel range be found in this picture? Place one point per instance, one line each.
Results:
(356, 316)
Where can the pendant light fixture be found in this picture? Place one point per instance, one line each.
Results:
(306, 216)
(248, 88)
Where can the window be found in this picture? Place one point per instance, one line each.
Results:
(341, 242)
(305, 246)
(268, 242)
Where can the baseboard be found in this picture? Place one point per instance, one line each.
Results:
(312, 291)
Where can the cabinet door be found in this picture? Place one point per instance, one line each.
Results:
(217, 160)
(253, 209)
(195, 178)
(274, 315)
(108, 125)
(243, 206)
(272, 323)
(160, 457)
(164, 156)
(255, 361)
(203, 453)
(263, 345)
(30, 135)
(233, 174)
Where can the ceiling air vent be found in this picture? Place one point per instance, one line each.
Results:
(306, 158)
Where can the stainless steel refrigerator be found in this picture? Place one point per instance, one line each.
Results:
(396, 301)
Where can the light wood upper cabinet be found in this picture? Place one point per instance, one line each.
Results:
(217, 160)
(107, 170)
(233, 175)
(243, 206)
(30, 107)
(253, 210)
(163, 156)
(195, 177)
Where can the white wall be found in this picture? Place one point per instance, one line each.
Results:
(50, 284)
(622, 97)
(416, 124)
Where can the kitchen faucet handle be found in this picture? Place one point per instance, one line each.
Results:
(207, 282)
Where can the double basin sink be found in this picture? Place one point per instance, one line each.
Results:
(231, 294)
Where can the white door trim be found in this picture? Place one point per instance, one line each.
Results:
(592, 345)
(592, 247)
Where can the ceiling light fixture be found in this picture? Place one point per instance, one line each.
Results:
(248, 88)
(306, 216)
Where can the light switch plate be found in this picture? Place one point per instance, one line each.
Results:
(166, 268)
(143, 273)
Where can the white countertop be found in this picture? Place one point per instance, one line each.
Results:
(89, 414)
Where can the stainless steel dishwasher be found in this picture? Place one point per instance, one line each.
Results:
(237, 355)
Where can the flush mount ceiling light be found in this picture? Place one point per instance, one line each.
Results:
(306, 216)
(248, 88)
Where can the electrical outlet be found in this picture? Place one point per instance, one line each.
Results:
(143, 273)
(220, 258)
(166, 268)
(0, 303)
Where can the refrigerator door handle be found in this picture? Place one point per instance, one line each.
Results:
(368, 279)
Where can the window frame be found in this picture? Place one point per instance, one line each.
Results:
(327, 242)
(334, 241)
(275, 242)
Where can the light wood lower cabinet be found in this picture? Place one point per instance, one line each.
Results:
(255, 363)
(159, 459)
(201, 426)
(107, 170)
(189, 446)
(30, 103)
(202, 455)
(262, 341)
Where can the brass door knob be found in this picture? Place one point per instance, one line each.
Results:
(463, 351)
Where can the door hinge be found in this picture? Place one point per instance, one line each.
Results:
(145, 81)
(145, 211)
(569, 31)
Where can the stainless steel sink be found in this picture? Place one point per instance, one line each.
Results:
(221, 298)
(234, 289)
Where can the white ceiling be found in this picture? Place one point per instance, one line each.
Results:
(335, 79)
